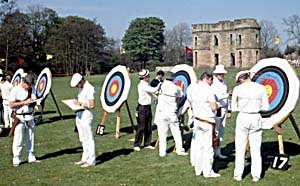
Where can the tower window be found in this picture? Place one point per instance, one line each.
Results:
(196, 40)
(240, 39)
(240, 59)
(216, 41)
(216, 59)
(232, 59)
(196, 59)
(231, 39)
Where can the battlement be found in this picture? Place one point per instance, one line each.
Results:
(226, 25)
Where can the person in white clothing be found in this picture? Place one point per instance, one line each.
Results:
(145, 92)
(5, 89)
(84, 119)
(219, 87)
(166, 115)
(203, 104)
(248, 98)
(21, 100)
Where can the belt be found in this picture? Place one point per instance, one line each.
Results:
(205, 121)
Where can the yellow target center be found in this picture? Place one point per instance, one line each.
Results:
(114, 88)
(269, 90)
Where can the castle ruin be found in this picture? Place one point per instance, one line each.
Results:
(231, 43)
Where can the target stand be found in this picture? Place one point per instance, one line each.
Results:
(115, 90)
(42, 88)
(282, 87)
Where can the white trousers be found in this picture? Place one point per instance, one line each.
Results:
(192, 149)
(202, 148)
(84, 125)
(7, 115)
(220, 124)
(164, 123)
(248, 126)
(23, 130)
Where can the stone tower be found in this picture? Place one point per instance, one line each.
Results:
(231, 43)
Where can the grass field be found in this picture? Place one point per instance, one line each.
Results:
(57, 146)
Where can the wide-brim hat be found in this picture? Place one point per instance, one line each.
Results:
(240, 74)
(143, 73)
(220, 69)
(76, 78)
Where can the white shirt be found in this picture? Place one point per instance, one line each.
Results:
(249, 97)
(5, 89)
(167, 96)
(86, 93)
(145, 91)
(201, 95)
(220, 90)
(18, 93)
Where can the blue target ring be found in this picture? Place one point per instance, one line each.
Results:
(279, 85)
(114, 88)
(41, 86)
(277, 81)
(183, 80)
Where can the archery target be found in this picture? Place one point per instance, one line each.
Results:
(17, 77)
(43, 84)
(115, 88)
(282, 87)
(184, 75)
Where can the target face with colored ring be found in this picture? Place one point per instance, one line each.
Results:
(282, 87)
(184, 75)
(16, 79)
(115, 89)
(276, 85)
(43, 84)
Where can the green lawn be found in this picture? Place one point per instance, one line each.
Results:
(57, 146)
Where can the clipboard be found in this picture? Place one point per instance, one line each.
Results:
(71, 105)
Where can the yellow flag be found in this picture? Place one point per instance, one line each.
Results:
(277, 40)
(49, 56)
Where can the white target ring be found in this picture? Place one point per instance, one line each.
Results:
(282, 86)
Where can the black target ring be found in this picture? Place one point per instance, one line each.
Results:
(284, 78)
(120, 75)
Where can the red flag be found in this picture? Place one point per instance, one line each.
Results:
(187, 50)
(20, 61)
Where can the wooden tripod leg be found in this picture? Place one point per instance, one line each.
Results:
(156, 143)
(280, 143)
(293, 121)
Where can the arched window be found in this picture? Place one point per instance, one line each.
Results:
(240, 39)
(216, 41)
(196, 40)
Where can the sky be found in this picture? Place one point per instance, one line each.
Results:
(115, 15)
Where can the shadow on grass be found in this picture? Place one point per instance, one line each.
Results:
(74, 150)
(45, 112)
(268, 151)
(55, 118)
(106, 156)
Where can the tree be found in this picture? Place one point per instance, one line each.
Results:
(144, 39)
(77, 44)
(293, 28)
(179, 37)
(14, 37)
(268, 34)
(40, 21)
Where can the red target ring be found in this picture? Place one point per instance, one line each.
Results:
(114, 88)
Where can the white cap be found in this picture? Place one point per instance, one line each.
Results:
(239, 74)
(143, 73)
(1, 72)
(220, 69)
(76, 78)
